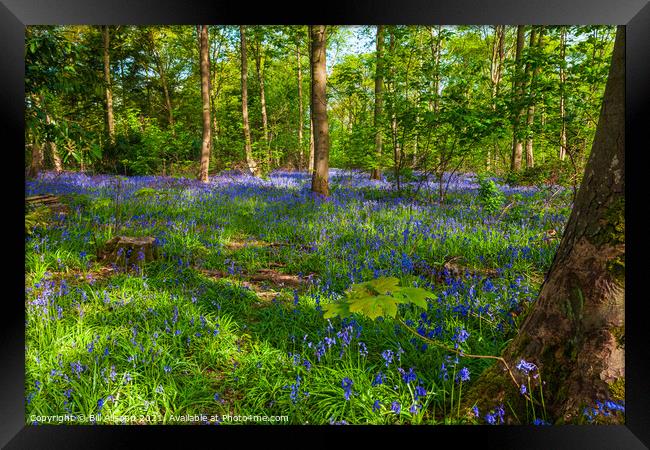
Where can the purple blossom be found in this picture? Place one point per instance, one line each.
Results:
(346, 384)
(388, 356)
(526, 367)
(463, 375)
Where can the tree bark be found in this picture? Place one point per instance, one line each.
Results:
(563, 139)
(252, 165)
(56, 158)
(575, 332)
(393, 118)
(379, 87)
(259, 69)
(205, 95)
(517, 146)
(496, 72)
(301, 155)
(530, 161)
(36, 164)
(110, 122)
(320, 177)
(163, 79)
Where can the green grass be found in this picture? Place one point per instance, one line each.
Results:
(168, 340)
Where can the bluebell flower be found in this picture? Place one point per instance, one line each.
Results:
(379, 379)
(420, 391)
(388, 356)
(526, 367)
(408, 376)
(443, 372)
(475, 411)
(463, 375)
(540, 422)
(346, 384)
(376, 406)
(523, 389)
(363, 350)
(396, 407)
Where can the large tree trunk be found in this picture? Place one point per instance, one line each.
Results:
(110, 122)
(319, 183)
(517, 145)
(379, 87)
(301, 155)
(252, 165)
(205, 95)
(575, 332)
(563, 140)
(530, 161)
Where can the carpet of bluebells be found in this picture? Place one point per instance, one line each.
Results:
(165, 340)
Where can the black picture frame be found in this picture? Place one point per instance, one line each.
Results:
(16, 14)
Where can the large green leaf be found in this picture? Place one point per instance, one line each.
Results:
(376, 298)
(341, 309)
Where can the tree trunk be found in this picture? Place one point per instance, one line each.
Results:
(563, 140)
(575, 332)
(110, 123)
(496, 72)
(393, 119)
(436, 45)
(517, 146)
(56, 158)
(163, 79)
(205, 95)
(252, 166)
(530, 162)
(319, 182)
(36, 164)
(379, 87)
(301, 156)
(259, 68)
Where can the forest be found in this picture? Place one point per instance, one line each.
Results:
(318, 225)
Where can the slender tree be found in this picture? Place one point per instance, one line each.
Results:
(532, 95)
(258, 56)
(110, 122)
(252, 165)
(162, 73)
(320, 177)
(575, 332)
(496, 73)
(205, 95)
(517, 145)
(379, 88)
(301, 157)
(563, 139)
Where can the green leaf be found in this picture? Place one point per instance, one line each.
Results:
(341, 309)
(378, 297)
(417, 296)
(373, 307)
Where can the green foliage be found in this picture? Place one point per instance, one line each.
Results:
(490, 197)
(37, 217)
(375, 298)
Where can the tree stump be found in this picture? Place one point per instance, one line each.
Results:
(130, 252)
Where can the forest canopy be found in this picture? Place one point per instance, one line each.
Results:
(454, 97)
